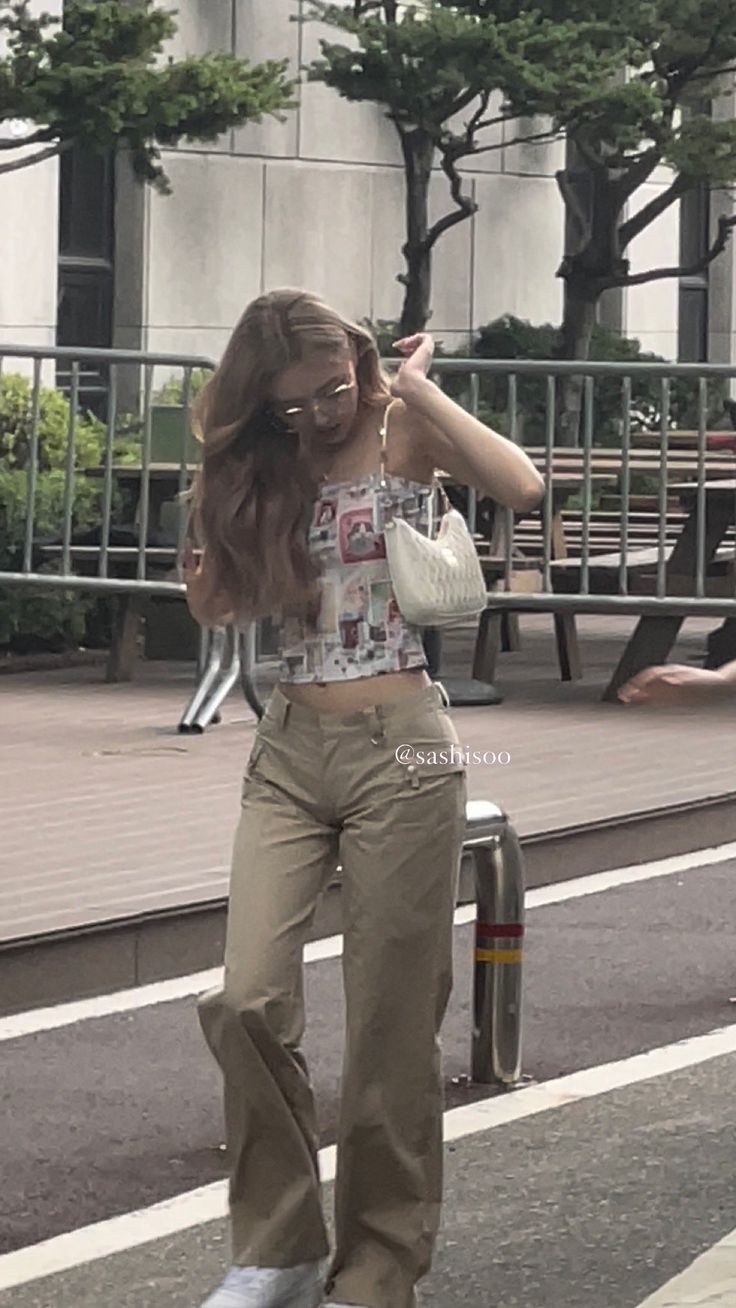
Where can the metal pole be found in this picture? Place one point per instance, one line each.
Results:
(207, 682)
(499, 935)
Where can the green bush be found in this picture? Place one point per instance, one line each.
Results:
(33, 618)
(16, 418)
(512, 338)
(44, 617)
(172, 391)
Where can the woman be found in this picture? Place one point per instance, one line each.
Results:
(296, 423)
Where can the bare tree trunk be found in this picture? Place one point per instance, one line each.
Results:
(415, 311)
(418, 151)
(578, 324)
(577, 331)
(592, 257)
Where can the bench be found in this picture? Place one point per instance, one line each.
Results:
(125, 553)
(641, 573)
(717, 463)
(687, 440)
(130, 607)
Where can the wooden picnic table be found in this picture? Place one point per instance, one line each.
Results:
(160, 554)
(654, 637)
(564, 486)
(680, 463)
(164, 484)
(686, 440)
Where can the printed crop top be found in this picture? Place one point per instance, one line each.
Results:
(358, 631)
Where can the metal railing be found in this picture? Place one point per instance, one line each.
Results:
(473, 372)
(555, 376)
(113, 361)
(223, 660)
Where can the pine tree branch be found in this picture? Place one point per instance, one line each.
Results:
(361, 8)
(725, 227)
(549, 137)
(636, 174)
(462, 101)
(39, 157)
(466, 206)
(43, 134)
(474, 124)
(688, 70)
(653, 210)
(502, 119)
(713, 72)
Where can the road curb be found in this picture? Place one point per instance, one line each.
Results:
(104, 957)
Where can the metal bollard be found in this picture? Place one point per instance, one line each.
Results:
(499, 934)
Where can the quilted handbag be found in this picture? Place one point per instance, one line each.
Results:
(436, 582)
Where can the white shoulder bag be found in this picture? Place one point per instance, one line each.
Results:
(436, 582)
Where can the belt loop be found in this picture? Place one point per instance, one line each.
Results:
(278, 708)
(444, 697)
(379, 731)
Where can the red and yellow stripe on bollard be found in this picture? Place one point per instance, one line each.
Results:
(487, 934)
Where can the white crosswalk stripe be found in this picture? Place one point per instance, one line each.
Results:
(709, 1282)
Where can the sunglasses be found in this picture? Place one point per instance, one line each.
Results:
(333, 402)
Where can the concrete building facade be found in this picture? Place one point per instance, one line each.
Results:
(317, 200)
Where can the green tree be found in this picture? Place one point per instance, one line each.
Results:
(98, 81)
(656, 111)
(630, 86)
(429, 62)
(32, 617)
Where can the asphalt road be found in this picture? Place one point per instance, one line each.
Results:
(594, 1204)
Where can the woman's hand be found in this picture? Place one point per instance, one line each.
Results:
(419, 351)
(199, 598)
(672, 683)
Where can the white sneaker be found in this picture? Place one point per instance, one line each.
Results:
(270, 1287)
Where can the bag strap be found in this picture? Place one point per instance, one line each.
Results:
(384, 439)
(437, 486)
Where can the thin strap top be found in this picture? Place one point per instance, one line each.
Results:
(359, 631)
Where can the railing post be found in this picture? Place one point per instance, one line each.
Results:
(499, 938)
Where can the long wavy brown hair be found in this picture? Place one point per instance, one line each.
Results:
(252, 494)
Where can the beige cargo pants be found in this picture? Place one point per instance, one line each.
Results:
(321, 789)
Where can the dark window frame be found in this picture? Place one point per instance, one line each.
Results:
(694, 291)
(86, 267)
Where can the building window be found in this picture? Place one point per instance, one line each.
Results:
(694, 291)
(694, 245)
(85, 210)
(86, 265)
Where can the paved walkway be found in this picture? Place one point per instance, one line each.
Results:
(108, 812)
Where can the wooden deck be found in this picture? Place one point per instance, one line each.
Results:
(108, 813)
